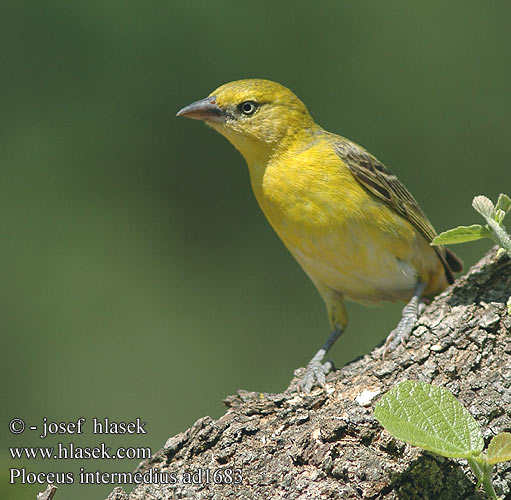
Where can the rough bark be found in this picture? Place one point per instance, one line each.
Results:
(328, 445)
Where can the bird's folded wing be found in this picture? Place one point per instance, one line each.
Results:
(379, 181)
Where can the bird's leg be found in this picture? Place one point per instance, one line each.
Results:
(316, 370)
(411, 312)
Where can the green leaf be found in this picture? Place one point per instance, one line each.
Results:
(499, 449)
(484, 206)
(430, 417)
(508, 305)
(503, 203)
(461, 234)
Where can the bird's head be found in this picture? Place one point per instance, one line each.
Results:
(256, 116)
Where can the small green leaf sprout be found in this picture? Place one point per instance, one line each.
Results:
(430, 417)
(493, 229)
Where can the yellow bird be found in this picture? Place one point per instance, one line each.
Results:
(356, 231)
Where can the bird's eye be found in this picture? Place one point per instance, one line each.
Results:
(248, 107)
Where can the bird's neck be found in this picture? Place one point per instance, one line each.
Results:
(256, 153)
(269, 156)
(260, 154)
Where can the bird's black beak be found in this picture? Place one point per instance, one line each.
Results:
(205, 110)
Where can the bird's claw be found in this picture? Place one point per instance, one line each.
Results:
(315, 375)
(403, 330)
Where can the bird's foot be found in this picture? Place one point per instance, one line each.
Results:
(314, 375)
(405, 326)
(316, 370)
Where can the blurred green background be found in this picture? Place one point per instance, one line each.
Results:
(139, 278)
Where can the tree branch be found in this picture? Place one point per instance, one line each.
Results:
(328, 445)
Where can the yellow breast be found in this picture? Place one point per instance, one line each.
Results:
(343, 237)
